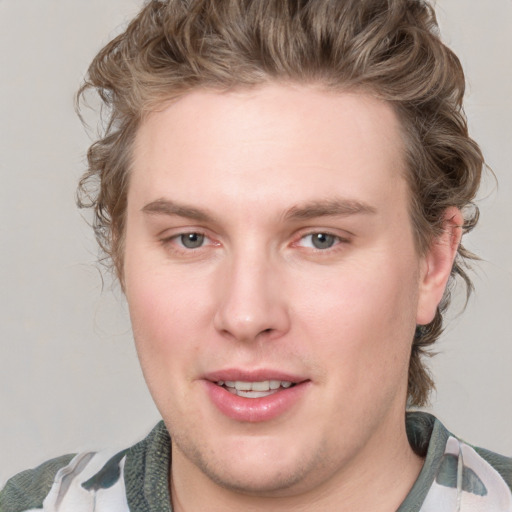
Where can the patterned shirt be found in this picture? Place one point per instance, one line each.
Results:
(456, 477)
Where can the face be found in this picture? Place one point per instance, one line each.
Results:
(273, 282)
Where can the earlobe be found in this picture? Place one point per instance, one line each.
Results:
(437, 265)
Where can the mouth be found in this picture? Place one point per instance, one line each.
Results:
(255, 395)
(255, 389)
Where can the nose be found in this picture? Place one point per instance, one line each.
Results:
(252, 302)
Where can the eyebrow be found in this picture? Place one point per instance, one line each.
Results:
(171, 208)
(329, 208)
(310, 210)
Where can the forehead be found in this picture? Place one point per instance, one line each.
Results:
(274, 145)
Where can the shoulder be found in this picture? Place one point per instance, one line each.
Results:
(70, 482)
(501, 463)
(27, 489)
(456, 472)
(106, 481)
(480, 479)
(426, 432)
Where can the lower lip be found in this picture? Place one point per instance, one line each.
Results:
(255, 410)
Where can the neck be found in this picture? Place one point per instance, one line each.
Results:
(378, 479)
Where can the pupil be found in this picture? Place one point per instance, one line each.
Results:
(322, 240)
(192, 240)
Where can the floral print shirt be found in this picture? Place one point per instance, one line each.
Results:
(456, 477)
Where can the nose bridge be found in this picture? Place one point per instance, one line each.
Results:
(251, 302)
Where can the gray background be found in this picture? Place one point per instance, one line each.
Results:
(69, 379)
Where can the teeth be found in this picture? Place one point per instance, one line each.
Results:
(255, 394)
(258, 386)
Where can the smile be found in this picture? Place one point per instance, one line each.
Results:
(263, 396)
(256, 389)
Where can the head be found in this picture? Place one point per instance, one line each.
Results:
(388, 50)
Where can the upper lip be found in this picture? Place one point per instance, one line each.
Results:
(253, 375)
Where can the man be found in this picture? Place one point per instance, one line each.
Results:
(280, 189)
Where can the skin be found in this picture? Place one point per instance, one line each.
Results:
(237, 168)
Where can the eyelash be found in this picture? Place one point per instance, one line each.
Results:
(337, 240)
(174, 240)
(177, 244)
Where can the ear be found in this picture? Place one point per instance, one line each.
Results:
(437, 265)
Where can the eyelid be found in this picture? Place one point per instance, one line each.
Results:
(171, 239)
(340, 239)
(209, 241)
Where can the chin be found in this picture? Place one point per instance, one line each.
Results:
(257, 466)
(264, 481)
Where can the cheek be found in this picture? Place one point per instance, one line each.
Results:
(362, 296)
(165, 329)
(363, 319)
(167, 319)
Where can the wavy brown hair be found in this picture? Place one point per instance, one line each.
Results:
(390, 49)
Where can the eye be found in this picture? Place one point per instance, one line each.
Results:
(190, 240)
(320, 241)
(189, 244)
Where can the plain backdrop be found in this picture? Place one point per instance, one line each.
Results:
(69, 378)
